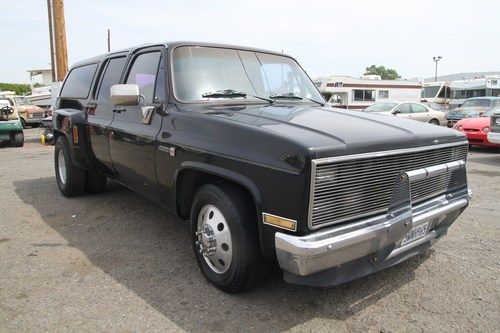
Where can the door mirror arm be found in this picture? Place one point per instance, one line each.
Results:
(160, 106)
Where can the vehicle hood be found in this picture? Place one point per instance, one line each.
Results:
(467, 112)
(29, 108)
(326, 131)
(474, 123)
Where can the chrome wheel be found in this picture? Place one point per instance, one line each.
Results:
(214, 239)
(61, 164)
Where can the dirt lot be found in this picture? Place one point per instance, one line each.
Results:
(115, 261)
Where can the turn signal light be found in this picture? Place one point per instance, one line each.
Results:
(279, 222)
(75, 134)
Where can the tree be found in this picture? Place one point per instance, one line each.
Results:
(18, 89)
(385, 73)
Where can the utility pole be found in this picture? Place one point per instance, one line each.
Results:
(51, 38)
(109, 40)
(60, 39)
(436, 60)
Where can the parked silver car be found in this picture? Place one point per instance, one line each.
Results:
(415, 111)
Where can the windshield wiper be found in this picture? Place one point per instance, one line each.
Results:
(230, 93)
(293, 96)
(285, 96)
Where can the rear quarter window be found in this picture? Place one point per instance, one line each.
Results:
(78, 82)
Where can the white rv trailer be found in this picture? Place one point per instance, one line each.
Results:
(359, 93)
(464, 89)
(436, 92)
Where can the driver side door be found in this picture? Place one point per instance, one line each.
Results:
(132, 141)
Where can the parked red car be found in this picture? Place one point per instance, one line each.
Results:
(477, 129)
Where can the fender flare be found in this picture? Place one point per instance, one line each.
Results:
(232, 176)
(64, 127)
(238, 178)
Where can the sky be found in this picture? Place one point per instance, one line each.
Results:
(326, 37)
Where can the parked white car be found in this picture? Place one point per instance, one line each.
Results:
(415, 111)
(494, 133)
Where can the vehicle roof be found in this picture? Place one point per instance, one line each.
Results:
(175, 44)
(483, 97)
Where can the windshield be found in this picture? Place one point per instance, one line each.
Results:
(430, 92)
(491, 112)
(199, 71)
(380, 107)
(22, 101)
(476, 102)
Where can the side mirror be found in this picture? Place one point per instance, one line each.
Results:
(124, 94)
(396, 112)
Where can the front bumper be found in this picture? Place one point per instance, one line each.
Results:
(377, 239)
(34, 120)
(479, 139)
(494, 137)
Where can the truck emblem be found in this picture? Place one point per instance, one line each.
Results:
(169, 150)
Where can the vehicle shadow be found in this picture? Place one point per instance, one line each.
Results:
(146, 249)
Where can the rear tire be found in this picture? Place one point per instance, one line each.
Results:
(96, 182)
(18, 139)
(71, 179)
(244, 266)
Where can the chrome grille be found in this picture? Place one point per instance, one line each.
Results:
(350, 187)
(38, 114)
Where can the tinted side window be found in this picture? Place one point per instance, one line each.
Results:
(418, 108)
(143, 73)
(111, 76)
(78, 83)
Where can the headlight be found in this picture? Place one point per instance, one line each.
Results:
(486, 129)
(30, 115)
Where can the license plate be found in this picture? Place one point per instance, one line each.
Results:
(415, 233)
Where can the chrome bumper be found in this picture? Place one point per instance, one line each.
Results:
(494, 137)
(34, 120)
(305, 255)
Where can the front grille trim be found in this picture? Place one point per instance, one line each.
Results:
(355, 157)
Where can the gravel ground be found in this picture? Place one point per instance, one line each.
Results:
(115, 261)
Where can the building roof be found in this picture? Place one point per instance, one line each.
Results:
(462, 76)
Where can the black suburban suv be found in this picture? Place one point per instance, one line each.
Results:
(239, 142)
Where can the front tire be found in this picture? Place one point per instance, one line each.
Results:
(71, 179)
(23, 123)
(18, 139)
(434, 122)
(225, 238)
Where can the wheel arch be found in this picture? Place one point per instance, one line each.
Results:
(192, 175)
(64, 120)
